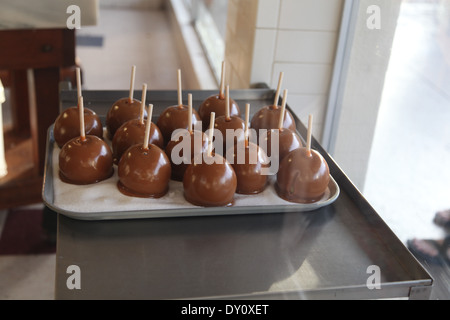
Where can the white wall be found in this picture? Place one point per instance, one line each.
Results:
(296, 37)
(363, 88)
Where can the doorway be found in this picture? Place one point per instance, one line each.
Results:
(408, 176)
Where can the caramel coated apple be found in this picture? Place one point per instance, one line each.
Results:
(288, 141)
(85, 161)
(216, 103)
(175, 117)
(144, 172)
(67, 125)
(132, 132)
(268, 118)
(196, 142)
(235, 126)
(210, 184)
(248, 164)
(303, 176)
(120, 112)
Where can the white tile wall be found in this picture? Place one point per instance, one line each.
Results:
(303, 78)
(305, 46)
(321, 15)
(297, 37)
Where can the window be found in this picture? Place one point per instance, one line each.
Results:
(209, 18)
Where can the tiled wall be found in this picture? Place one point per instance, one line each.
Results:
(298, 37)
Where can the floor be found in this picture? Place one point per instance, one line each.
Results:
(408, 208)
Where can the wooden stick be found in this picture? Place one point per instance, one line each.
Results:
(180, 93)
(81, 113)
(133, 74)
(283, 110)
(78, 72)
(222, 81)
(211, 133)
(147, 126)
(277, 94)
(144, 96)
(227, 103)
(308, 138)
(190, 112)
(247, 119)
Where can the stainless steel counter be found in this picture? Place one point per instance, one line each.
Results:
(336, 252)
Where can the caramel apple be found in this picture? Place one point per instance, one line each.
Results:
(85, 159)
(176, 117)
(194, 141)
(287, 139)
(123, 110)
(287, 142)
(303, 175)
(267, 117)
(234, 124)
(133, 132)
(144, 170)
(249, 160)
(210, 181)
(217, 104)
(67, 124)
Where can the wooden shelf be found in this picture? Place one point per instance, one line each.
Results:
(32, 62)
(22, 185)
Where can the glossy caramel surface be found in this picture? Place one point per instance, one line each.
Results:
(67, 125)
(288, 141)
(175, 117)
(268, 118)
(144, 173)
(85, 162)
(133, 132)
(210, 185)
(233, 123)
(248, 162)
(217, 104)
(303, 176)
(198, 144)
(120, 112)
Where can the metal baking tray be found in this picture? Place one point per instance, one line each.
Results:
(103, 201)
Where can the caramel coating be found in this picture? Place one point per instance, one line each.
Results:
(268, 117)
(303, 176)
(197, 148)
(210, 185)
(120, 112)
(288, 141)
(144, 173)
(133, 132)
(67, 125)
(216, 103)
(85, 162)
(250, 179)
(233, 123)
(175, 117)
